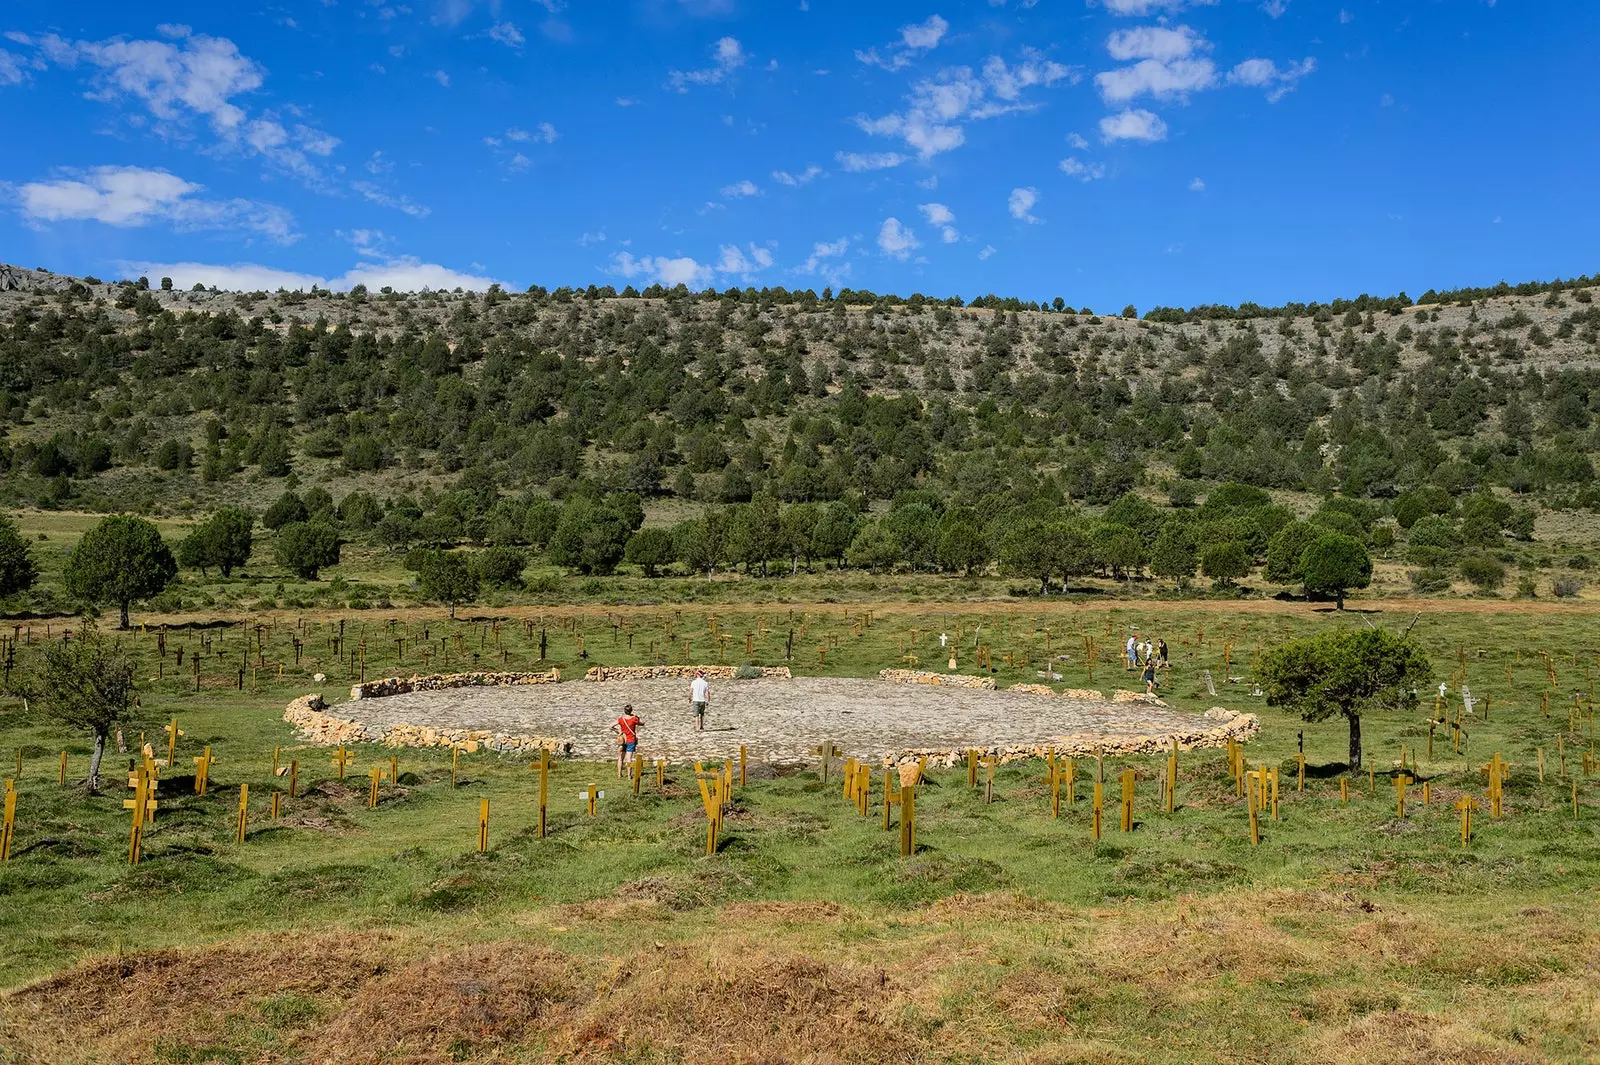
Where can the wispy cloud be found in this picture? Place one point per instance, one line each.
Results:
(942, 218)
(740, 189)
(373, 194)
(1074, 167)
(1131, 125)
(1021, 203)
(404, 274)
(895, 240)
(915, 39)
(854, 162)
(805, 177)
(727, 56)
(937, 107)
(1265, 74)
(130, 196)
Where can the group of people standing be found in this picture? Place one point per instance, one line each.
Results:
(628, 723)
(1142, 654)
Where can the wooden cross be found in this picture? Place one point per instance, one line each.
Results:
(1400, 782)
(202, 772)
(343, 758)
(908, 820)
(173, 732)
(590, 795)
(1127, 800)
(483, 826)
(1172, 777)
(1099, 803)
(375, 774)
(826, 751)
(543, 766)
(8, 820)
(277, 805)
(1466, 804)
(244, 807)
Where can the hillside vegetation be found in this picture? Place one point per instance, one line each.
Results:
(678, 432)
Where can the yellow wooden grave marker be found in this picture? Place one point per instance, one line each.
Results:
(826, 751)
(1255, 811)
(638, 771)
(343, 758)
(543, 766)
(173, 732)
(483, 826)
(908, 820)
(294, 778)
(1400, 782)
(1466, 804)
(1099, 805)
(8, 820)
(277, 805)
(1344, 789)
(374, 774)
(1127, 800)
(244, 807)
(1172, 777)
(741, 765)
(202, 772)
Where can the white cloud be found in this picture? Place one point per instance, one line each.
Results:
(915, 39)
(405, 274)
(1275, 8)
(805, 177)
(1197, 185)
(941, 216)
(11, 72)
(930, 182)
(626, 101)
(727, 56)
(1160, 43)
(1021, 202)
(507, 34)
(1345, 16)
(855, 162)
(924, 36)
(1077, 141)
(591, 238)
(1133, 126)
(661, 270)
(1159, 79)
(937, 107)
(374, 194)
(130, 196)
(196, 75)
(733, 260)
(1265, 74)
(740, 189)
(365, 242)
(988, 250)
(827, 261)
(895, 240)
(442, 77)
(1144, 7)
(377, 164)
(1072, 166)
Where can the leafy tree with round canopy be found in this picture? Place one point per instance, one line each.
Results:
(1225, 562)
(285, 509)
(118, 561)
(86, 682)
(447, 576)
(1285, 550)
(1345, 673)
(306, 547)
(1334, 564)
(223, 540)
(1174, 554)
(17, 570)
(651, 549)
(500, 566)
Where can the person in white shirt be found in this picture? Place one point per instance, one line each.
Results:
(699, 696)
(1130, 653)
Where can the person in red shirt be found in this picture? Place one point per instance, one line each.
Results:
(627, 729)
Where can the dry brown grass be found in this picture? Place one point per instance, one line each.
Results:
(1001, 977)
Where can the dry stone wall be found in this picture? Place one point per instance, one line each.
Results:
(309, 715)
(604, 673)
(1220, 725)
(377, 689)
(940, 680)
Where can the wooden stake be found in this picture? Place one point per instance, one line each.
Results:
(1127, 800)
(277, 805)
(908, 820)
(244, 805)
(1099, 805)
(483, 826)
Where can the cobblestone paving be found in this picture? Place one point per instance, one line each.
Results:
(779, 720)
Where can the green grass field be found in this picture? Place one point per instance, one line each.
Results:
(343, 933)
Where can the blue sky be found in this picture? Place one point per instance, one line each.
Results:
(1107, 151)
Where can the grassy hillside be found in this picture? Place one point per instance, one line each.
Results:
(344, 932)
(774, 431)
